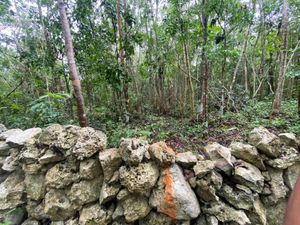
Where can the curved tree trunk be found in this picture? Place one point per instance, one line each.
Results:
(71, 63)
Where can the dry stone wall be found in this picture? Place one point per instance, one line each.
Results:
(65, 175)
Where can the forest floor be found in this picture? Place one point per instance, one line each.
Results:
(184, 135)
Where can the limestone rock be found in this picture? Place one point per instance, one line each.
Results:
(140, 179)
(50, 135)
(4, 148)
(226, 213)
(110, 161)
(2, 128)
(94, 215)
(90, 169)
(35, 210)
(135, 208)
(154, 218)
(275, 215)
(162, 153)
(288, 157)
(248, 153)
(10, 164)
(291, 175)
(12, 132)
(61, 175)
(34, 168)
(72, 222)
(186, 159)
(248, 175)
(123, 194)
(30, 154)
(236, 197)
(35, 186)
(50, 157)
(266, 142)
(203, 167)
(84, 192)
(132, 150)
(89, 141)
(20, 138)
(11, 191)
(109, 192)
(57, 205)
(212, 220)
(174, 196)
(258, 214)
(289, 139)
(31, 222)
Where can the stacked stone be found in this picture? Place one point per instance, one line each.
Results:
(66, 176)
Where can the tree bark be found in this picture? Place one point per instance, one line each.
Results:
(72, 65)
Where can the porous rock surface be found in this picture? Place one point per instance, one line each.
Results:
(64, 175)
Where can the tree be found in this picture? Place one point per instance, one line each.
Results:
(72, 65)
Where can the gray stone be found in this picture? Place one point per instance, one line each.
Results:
(89, 142)
(186, 159)
(72, 222)
(119, 212)
(226, 213)
(258, 215)
(123, 194)
(2, 128)
(212, 220)
(12, 132)
(19, 139)
(140, 179)
(34, 168)
(84, 192)
(109, 192)
(30, 154)
(90, 169)
(291, 175)
(57, 223)
(50, 135)
(35, 186)
(110, 161)
(50, 157)
(132, 150)
(31, 222)
(35, 210)
(275, 215)
(61, 175)
(266, 142)
(4, 148)
(154, 218)
(11, 191)
(288, 139)
(58, 206)
(135, 208)
(248, 153)
(248, 175)
(288, 157)
(174, 196)
(203, 167)
(10, 164)
(161, 153)
(94, 215)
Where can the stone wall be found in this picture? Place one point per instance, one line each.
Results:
(64, 175)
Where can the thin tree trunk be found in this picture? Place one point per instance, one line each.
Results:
(283, 58)
(72, 65)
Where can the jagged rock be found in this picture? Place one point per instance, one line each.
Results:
(140, 179)
(34, 168)
(84, 192)
(275, 215)
(20, 138)
(212, 220)
(61, 175)
(110, 161)
(132, 150)
(2, 128)
(162, 153)
(249, 176)
(248, 153)
(226, 213)
(201, 220)
(135, 208)
(154, 218)
(11, 191)
(174, 196)
(50, 135)
(257, 215)
(57, 205)
(89, 142)
(119, 212)
(4, 148)
(94, 215)
(50, 157)
(35, 186)
(10, 164)
(57, 223)
(30, 154)
(123, 194)
(266, 142)
(278, 189)
(72, 222)
(288, 139)
(291, 175)
(109, 192)
(90, 169)
(221, 156)
(206, 186)
(203, 167)
(31, 222)
(12, 132)
(115, 178)
(35, 210)
(186, 159)
(287, 158)
(236, 197)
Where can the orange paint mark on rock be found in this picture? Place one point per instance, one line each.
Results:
(169, 206)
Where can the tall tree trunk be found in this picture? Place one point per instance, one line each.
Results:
(283, 58)
(72, 65)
